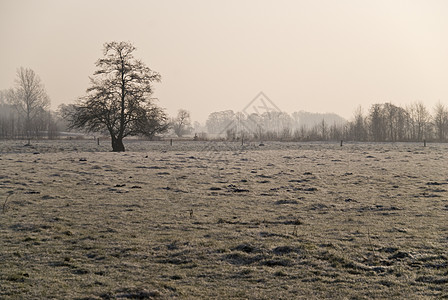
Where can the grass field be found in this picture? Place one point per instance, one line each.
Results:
(201, 220)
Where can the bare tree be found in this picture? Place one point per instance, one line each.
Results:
(359, 130)
(28, 97)
(394, 122)
(182, 123)
(336, 131)
(376, 119)
(323, 128)
(421, 119)
(440, 120)
(119, 97)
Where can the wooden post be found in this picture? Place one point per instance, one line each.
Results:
(424, 143)
(242, 141)
(171, 142)
(342, 142)
(98, 141)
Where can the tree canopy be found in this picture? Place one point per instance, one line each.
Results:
(182, 123)
(119, 98)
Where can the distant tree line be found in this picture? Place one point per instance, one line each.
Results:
(279, 126)
(387, 122)
(13, 125)
(119, 103)
(24, 109)
(383, 122)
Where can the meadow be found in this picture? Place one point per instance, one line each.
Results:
(216, 220)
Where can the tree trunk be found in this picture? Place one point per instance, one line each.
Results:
(117, 144)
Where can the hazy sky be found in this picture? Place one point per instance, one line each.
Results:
(316, 55)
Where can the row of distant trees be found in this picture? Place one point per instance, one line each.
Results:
(42, 123)
(118, 102)
(25, 114)
(273, 125)
(14, 125)
(384, 122)
(387, 122)
(24, 109)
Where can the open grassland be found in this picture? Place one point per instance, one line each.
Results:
(218, 221)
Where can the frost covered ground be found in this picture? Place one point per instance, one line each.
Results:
(221, 221)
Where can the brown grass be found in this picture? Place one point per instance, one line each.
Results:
(284, 221)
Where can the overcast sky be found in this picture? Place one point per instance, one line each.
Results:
(316, 55)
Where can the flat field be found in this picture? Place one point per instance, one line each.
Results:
(203, 220)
